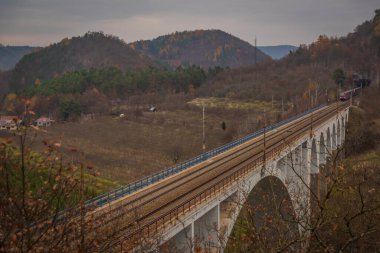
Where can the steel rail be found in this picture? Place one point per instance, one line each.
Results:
(327, 115)
(202, 170)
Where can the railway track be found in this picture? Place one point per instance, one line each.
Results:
(158, 199)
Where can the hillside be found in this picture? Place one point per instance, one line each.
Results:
(205, 48)
(277, 52)
(10, 55)
(4, 80)
(93, 50)
(308, 68)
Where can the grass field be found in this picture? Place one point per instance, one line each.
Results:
(129, 148)
(228, 103)
(126, 149)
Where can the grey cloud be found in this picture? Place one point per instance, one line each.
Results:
(273, 21)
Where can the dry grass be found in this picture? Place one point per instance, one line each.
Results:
(229, 103)
(126, 149)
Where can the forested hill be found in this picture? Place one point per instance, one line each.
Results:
(93, 50)
(201, 47)
(309, 68)
(10, 55)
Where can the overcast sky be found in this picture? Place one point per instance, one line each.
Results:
(274, 22)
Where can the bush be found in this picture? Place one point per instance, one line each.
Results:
(70, 109)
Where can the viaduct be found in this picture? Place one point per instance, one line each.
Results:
(195, 204)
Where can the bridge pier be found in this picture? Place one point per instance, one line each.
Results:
(229, 210)
(206, 231)
(181, 242)
(334, 144)
(281, 167)
(297, 179)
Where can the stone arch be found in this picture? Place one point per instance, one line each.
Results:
(328, 142)
(333, 147)
(322, 149)
(269, 199)
(314, 166)
(338, 139)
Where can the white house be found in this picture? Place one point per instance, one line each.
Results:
(43, 121)
(9, 122)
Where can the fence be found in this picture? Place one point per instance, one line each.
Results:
(137, 185)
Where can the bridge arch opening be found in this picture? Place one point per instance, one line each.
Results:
(338, 134)
(334, 138)
(322, 149)
(314, 158)
(328, 142)
(267, 215)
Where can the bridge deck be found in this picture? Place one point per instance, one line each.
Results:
(146, 210)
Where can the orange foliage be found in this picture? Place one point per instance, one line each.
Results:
(377, 29)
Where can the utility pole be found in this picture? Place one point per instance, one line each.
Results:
(282, 105)
(361, 92)
(316, 96)
(255, 58)
(255, 50)
(311, 124)
(264, 142)
(311, 101)
(272, 101)
(203, 129)
(339, 91)
(351, 98)
(311, 114)
(82, 209)
(337, 107)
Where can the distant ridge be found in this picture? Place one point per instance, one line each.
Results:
(278, 52)
(206, 48)
(10, 55)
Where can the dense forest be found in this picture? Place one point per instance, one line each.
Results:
(113, 82)
(306, 72)
(93, 50)
(91, 91)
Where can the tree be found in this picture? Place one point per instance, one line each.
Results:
(70, 109)
(339, 77)
(223, 126)
(9, 102)
(35, 187)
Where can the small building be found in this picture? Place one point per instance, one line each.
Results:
(9, 122)
(43, 122)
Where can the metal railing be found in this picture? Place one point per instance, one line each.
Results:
(172, 215)
(137, 185)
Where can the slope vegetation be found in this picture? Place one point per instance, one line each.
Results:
(205, 48)
(10, 55)
(93, 50)
(305, 77)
